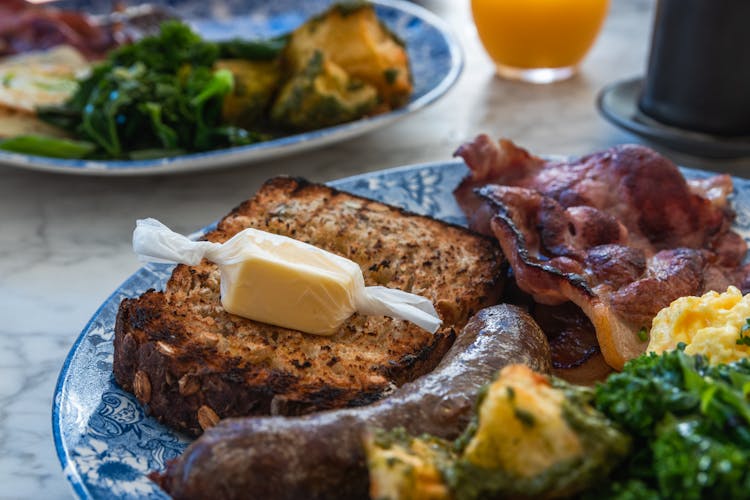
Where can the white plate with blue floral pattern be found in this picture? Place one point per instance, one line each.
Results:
(106, 443)
(435, 57)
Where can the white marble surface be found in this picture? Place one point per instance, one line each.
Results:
(65, 240)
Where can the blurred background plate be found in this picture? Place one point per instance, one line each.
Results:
(435, 57)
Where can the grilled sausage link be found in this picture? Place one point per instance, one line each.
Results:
(321, 456)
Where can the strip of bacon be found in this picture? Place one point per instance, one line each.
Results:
(620, 233)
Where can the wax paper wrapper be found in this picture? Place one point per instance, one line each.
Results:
(285, 282)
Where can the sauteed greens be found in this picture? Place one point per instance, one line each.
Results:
(165, 84)
(690, 423)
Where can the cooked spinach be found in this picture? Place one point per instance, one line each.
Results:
(160, 96)
(690, 422)
(53, 147)
(254, 50)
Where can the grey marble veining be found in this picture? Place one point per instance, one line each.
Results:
(65, 240)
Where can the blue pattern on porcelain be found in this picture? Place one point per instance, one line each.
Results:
(434, 53)
(106, 443)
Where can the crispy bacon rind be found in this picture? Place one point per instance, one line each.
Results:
(620, 233)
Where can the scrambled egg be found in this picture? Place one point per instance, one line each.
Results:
(710, 325)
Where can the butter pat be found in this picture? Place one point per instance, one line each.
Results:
(284, 282)
(288, 283)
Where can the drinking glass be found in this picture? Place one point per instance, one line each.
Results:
(539, 41)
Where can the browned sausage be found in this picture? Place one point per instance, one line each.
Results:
(321, 456)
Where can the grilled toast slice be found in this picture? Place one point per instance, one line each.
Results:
(191, 363)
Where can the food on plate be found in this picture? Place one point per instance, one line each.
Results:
(532, 437)
(281, 281)
(255, 84)
(690, 425)
(620, 233)
(191, 363)
(576, 356)
(322, 455)
(26, 27)
(383, 393)
(352, 38)
(174, 93)
(322, 94)
(715, 325)
(40, 78)
(346, 64)
(158, 97)
(37, 79)
(667, 426)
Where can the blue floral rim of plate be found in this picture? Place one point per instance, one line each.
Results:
(104, 440)
(435, 56)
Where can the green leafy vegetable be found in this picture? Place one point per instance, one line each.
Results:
(643, 334)
(161, 93)
(48, 146)
(744, 339)
(253, 50)
(691, 427)
(176, 93)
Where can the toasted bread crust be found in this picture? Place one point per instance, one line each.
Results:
(190, 362)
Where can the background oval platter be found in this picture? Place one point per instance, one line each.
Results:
(436, 62)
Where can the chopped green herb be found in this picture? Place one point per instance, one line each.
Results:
(53, 147)
(391, 74)
(744, 339)
(525, 417)
(8, 79)
(643, 334)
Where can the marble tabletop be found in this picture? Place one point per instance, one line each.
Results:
(65, 240)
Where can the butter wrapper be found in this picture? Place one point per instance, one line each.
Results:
(284, 282)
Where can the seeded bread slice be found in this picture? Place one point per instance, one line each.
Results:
(191, 363)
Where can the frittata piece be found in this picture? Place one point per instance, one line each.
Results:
(255, 83)
(534, 437)
(352, 37)
(322, 95)
(405, 467)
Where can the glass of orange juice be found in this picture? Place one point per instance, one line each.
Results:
(539, 41)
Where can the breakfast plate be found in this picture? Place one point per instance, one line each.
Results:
(434, 54)
(105, 442)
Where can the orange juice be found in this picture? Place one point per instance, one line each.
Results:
(538, 34)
